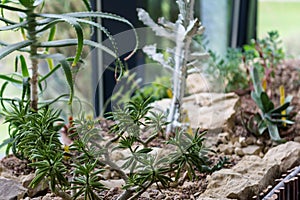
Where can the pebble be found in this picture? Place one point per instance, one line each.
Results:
(226, 149)
(242, 141)
(237, 144)
(146, 195)
(250, 140)
(223, 137)
(238, 151)
(197, 194)
(259, 142)
(252, 150)
(161, 196)
(261, 154)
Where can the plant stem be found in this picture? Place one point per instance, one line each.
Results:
(127, 194)
(182, 51)
(34, 61)
(141, 192)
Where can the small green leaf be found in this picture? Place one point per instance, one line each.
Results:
(24, 67)
(266, 102)
(14, 26)
(262, 127)
(12, 8)
(10, 79)
(13, 47)
(72, 21)
(257, 100)
(256, 80)
(280, 108)
(273, 131)
(71, 42)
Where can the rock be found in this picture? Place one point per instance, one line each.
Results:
(297, 139)
(259, 142)
(196, 83)
(234, 139)
(161, 196)
(242, 181)
(242, 141)
(226, 149)
(26, 180)
(252, 173)
(51, 197)
(285, 155)
(146, 195)
(211, 111)
(237, 144)
(261, 154)
(252, 150)
(11, 190)
(250, 140)
(238, 151)
(113, 183)
(223, 138)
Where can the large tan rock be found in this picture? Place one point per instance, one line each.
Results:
(212, 111)
(252, 173)
(242, 181)
(196, 83)
(285, 155)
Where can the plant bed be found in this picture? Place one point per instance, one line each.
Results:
(140, 151)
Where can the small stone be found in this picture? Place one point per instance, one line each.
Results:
(252, 150)
(250, 140)
(113, 183)
(297, 139)
(234, 139)
(161, 196)
(269, 143)
(226, 149)
(259, 142)
(146, 195)
(223, 137)
(168, 198)
(197, 194)
(237, 144)
(242, 141)
(106, 174)
(51, 197)
(238, 151)
(114, 175)
(261, 154)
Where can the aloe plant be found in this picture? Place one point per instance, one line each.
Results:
(269, 117)
(35, 25)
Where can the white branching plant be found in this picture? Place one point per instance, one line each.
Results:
(182, 59)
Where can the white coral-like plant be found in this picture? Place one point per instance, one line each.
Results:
(183, 60)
